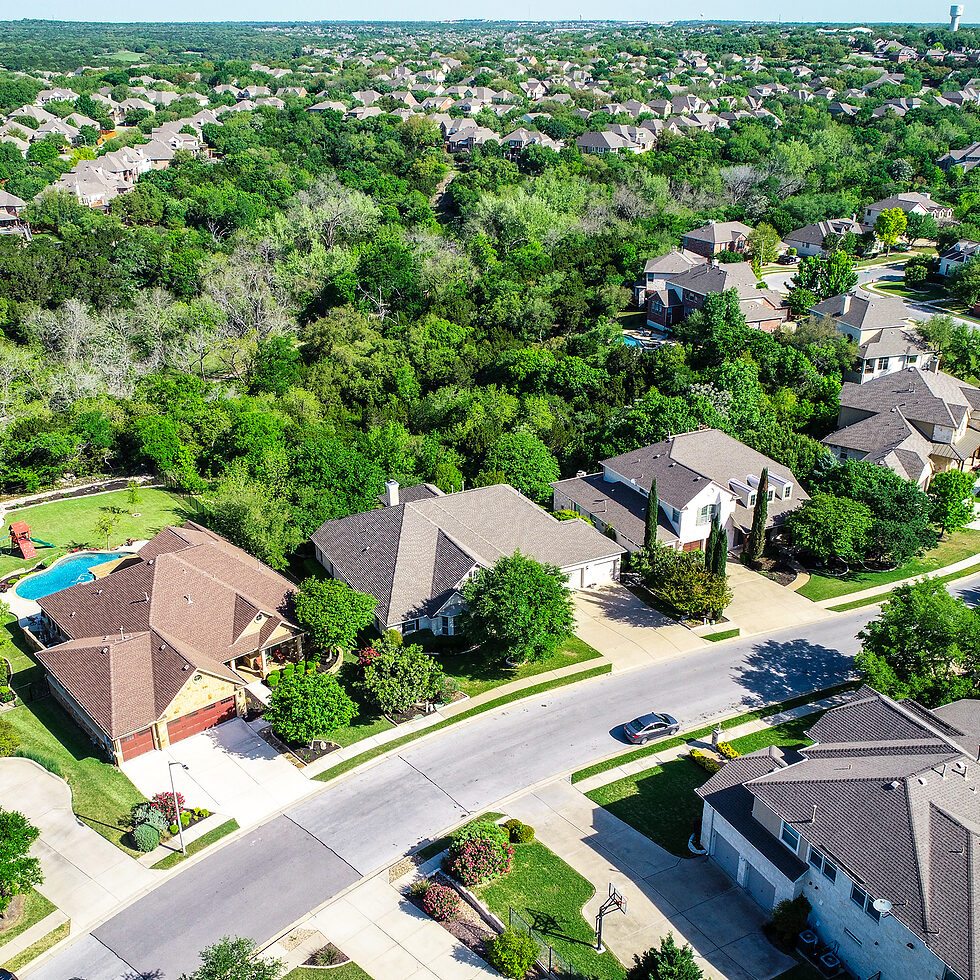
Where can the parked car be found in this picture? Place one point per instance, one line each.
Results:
(6, 975)
(646, 727)
(787, 259)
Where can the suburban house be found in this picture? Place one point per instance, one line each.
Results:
(875, 824)
(879, 326)
(912, 202)
(716, 237)
(678, 294)
(915, 422)
(967, 158)
(415, 553)
(699, 475)
(657, 271)
(809, 239)
(11, 219)
(162, 643)
(957, 255)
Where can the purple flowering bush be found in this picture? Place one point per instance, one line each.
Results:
(475, 862)
(441, 902)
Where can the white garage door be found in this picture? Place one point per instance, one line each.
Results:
(760, 888)
(725, 855)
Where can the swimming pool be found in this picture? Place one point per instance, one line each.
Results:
(632, 341)
(65, 573)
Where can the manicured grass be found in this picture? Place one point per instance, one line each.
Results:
(397, 743)
(65, 523)
(959, 545)
(550, 895)
(26, 671)
(802, 971)
(222, 830)
(475, 675)
(41, 946)
(661, 803)
(899, 289)
(723, 635)
(671, 743)
(101, 795)
(349, 971)
(36, 907)
(440, 844)
(874, 600)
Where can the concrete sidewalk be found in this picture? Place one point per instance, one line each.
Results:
(687, 896)
(29, 937)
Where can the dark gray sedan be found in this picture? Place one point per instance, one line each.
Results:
(646, 727)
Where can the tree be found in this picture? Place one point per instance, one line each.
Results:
(332, 612)
(133, 496)
(830, 527)
(757, 534)
(920, 226)
(653, 509)
(683, 580)
(520, 607)
(669, 962)
(924, 645)
(965, 283)
(716, 552)
(308, 706)
(890, 225)
(763, 246)
(19, 872)
(398, 676)
(106, 524)
(951, 493)
(234, 958)
(526, 462)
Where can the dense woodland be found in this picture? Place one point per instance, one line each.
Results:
(285, 326)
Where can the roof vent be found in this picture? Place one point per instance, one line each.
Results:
(186, 667)
(72, 613)
(894, 784)
(105, 649)
(921, 781)
(189, 599)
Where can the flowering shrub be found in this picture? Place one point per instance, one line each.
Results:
(365, 656)
(705, 761)
(164, 803)
(728, 750)
(478, 861)
(479, 830)
(441, 902)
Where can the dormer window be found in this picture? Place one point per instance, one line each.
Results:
(790, 837)
(787, 491)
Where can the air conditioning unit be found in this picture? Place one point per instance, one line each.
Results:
(807, 942)
(830, 965)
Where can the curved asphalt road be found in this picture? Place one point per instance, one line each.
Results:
(270, 877)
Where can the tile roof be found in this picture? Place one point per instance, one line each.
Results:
(412, 556)
(890, 793)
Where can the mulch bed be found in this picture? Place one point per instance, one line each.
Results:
(339, 958)
(15, 910)
(305, 753)
(468, 928)
(776, 570)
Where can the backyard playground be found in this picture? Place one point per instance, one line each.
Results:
(53, 529)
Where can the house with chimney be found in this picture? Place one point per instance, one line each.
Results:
(716, 237)
(700, 475)
(880, 327)
(912, 202)
(875, 824)
(417, 550)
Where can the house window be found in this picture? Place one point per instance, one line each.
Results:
(882, 363)
(706, 513)
(869, 367)
(816, 858)
(675, 515)
(446, 625)
(751, 502)
(829, 870)
(790, 837)
(822, 863)
(911, 358)
(787, 491)
(411, 626)
(771, 495)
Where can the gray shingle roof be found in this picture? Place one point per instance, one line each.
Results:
(864, 311)
(922, 396)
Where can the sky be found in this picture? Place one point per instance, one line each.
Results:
(844, 11)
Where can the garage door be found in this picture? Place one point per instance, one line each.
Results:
(725, 855)
(762, 890)
(200, 720)
(134, 745)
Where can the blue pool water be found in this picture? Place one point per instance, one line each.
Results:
(632, 341)
(69, 571)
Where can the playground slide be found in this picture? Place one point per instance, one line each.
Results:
(43, 544)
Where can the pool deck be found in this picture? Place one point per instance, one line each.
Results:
(23, 608)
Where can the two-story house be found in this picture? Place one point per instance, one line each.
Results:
(683, 292)
(699, 475)
(415, 553)
(876, 824)
(957, 255)
(967, 158)
(916, 423)
(716, 237)
(912, 202)
(809, 240)
(657, 271)
(880, 328)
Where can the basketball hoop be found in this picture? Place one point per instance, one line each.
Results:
(615, 902)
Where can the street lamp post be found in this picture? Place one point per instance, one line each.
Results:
(173, 789)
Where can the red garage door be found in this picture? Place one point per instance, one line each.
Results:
(134, 745)
(203, 718)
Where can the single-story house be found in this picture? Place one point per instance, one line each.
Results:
(880, 327)
(699, 475)
(916, 423)
(716, 237)
(875, 824)
(809, 239)
(415, 553)
(162, 645)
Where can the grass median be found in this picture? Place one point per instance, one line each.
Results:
(397, 743)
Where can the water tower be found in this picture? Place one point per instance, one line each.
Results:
(955, 13)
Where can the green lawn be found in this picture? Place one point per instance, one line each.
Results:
(36, 907)
(474, 675)
(13, 648)
(959, 545)
(802, 971)
(349, 971)
(722, 635)
(222, 830)
(930, 293)
(101, 795)
(550, 895)
(661, 803)
(41, 946)
(65, 523)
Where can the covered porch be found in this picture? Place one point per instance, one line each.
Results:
(258, 664)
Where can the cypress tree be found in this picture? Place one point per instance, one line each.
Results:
(653, 506)
(757, 536)
(717, 551)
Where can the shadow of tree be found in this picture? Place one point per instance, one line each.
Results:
(546, 924)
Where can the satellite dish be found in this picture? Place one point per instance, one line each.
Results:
(882, 905)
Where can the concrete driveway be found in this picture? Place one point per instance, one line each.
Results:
(759, 604)
(687, 896)
(627, 631)
(84, 875)
(230, 770)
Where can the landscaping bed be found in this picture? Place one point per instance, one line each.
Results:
(23, 912)
(468, 927)
(302, 753)
(326, 957)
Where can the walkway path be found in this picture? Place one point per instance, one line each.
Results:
(690, 897)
